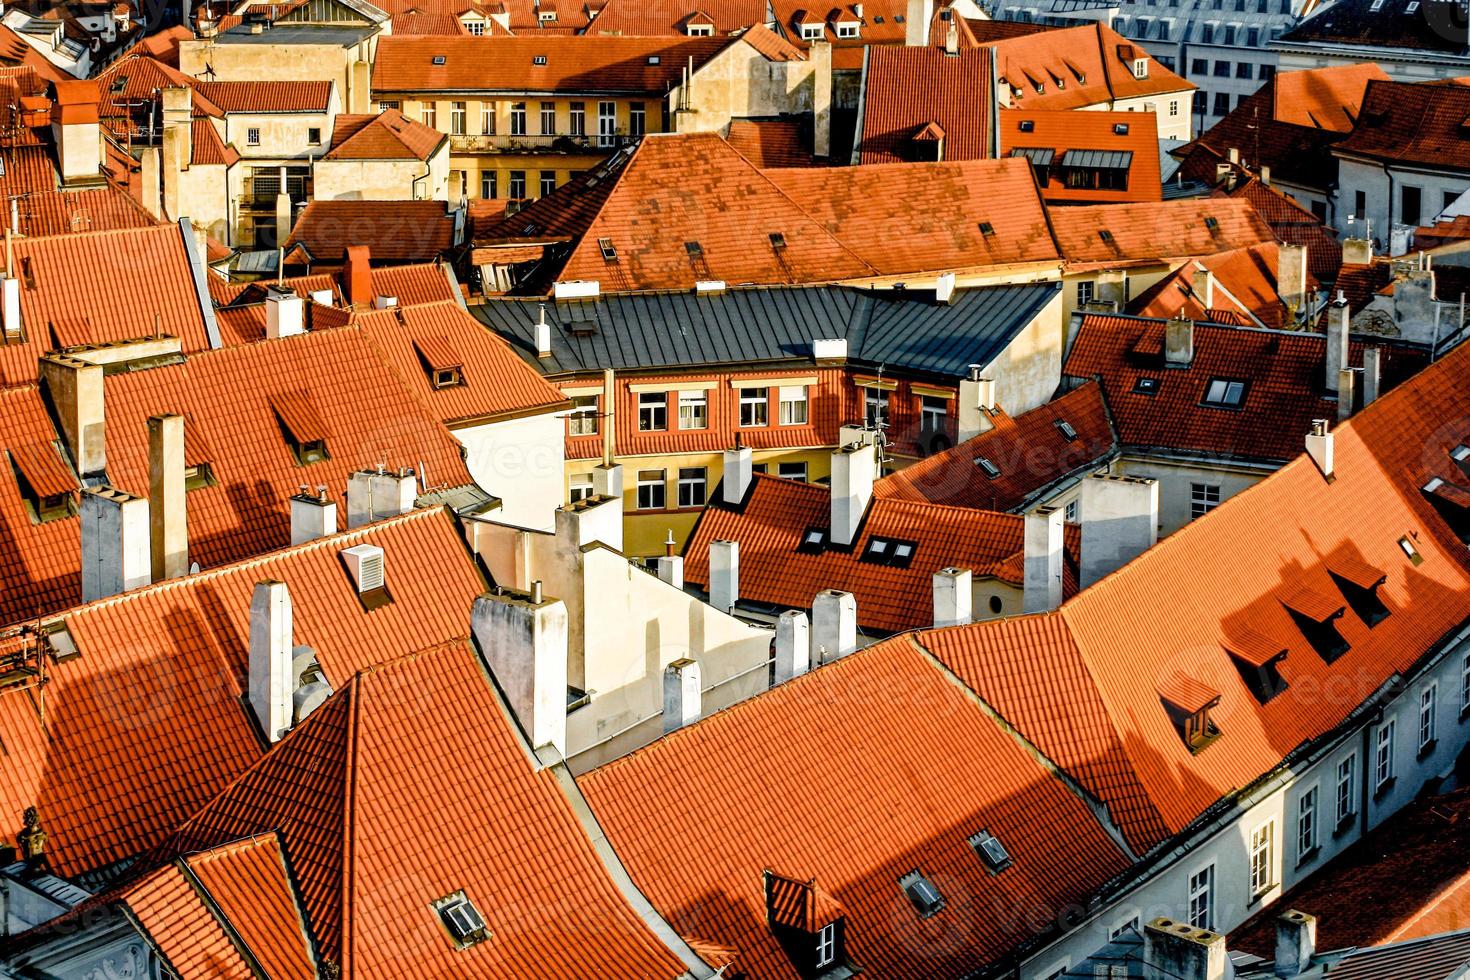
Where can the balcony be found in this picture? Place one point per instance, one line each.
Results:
(562, 144)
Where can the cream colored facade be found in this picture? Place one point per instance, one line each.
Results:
(403, 179)
(229, 57)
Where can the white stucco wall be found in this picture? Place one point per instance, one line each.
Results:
(521, 461)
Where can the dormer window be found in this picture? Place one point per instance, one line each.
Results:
(991, 851)
(921, 892)
(1255, 657)
(1140, 67)
(1358, 581)
(812, 32)
(609, 252)
(700, 30)
(1452, 503)
(826, 945)
(301, 426)
(1315, 615)
(547, 16)
(1188, 704)
(45, 482)
(461, 919)
(849, 29)
(444, 367)
(807, 922)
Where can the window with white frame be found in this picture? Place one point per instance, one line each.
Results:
(793, 405)
(1085, 290)
(548, 182)
(693, 486)
(1122, 927)
(1203, 498)
(548, 119)
(487, 118)
(1263, 857)
(518, 119)
(429, 115)
(755, 406)
(791, 471)
(933, 410)
(1069, 514)
(811, 32)
(252, 136)
(1383, 756)
(651, 490)
(583, 419)
(1202, 898)
(1347, 799)
(694, 410)
(1173, 107)
(847, 29)
(580, 487)
(1428, 699)
(1306, 824)
(577, 119)
(653, 411)
(476, 28)
(458, 116)
(387, 104)
(827, 944)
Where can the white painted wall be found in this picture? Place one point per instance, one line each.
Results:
(1175, 480)
(523, 462)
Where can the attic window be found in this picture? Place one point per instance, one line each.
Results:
(811, 32)
(439, 359)
(1410, 551)
(813, 541)
(921, 891)
(461, 918)
(539, 59)
(889, 551)
(1065, 428)
(301, 426)
(1146, 386)
(991, 851)
(1255, 657)
(1188, 704)
(654, 59)
(778, 240)
(1212, 223)
(1105, 235)
(694, 249)
(609, 253)
(1027, 125)
(1315, 615)
(1451, 502)
(1358, 581)
(987, 467)
(1224, 393)
(199, 476)
(1120, 129)
(1140, 67)
(439, 59)
(987, 229)
(448, 378)
(45, 482)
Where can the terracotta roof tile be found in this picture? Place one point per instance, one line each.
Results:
(182, 928)
(1294, 225)
(43, 467)
(1078, 136)
(249, 883)
(1244, 289)
(1252, 647)
(663, 18)
(792, 757)
(798, 904)
(395, 231)
(771, 143)
(1092, 63)
(1030, 450)
(1103, 235)
(44, 213)
(39, 570)
(267, 96)
(389, 135)
(1188, 695)
(906, 88)
(1412, 124)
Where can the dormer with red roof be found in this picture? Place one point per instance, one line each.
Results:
(809, 924)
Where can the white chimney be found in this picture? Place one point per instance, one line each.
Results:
(116, 551)
(952, 597)
(322, 297)
(10, 306)
(313, 515)
(1179, 342)
(1042, 586)
(976, 403)
(852, 490)
(272, 688)
(1177, 951)
(738, 474)
(724, 574)
(523, 638)
(374, 495)
(1372, 374)
(1319, 447)
(543, 335)
(1203, 285)
(671, 570)
(916, 29)
(166, 497)
(285, 313)
(1120, 521)
(75, 390)
(834, 625)
(1338, 347)
(595, 520)
(1347, 392)
(365, 563)
(1296, 943)
(793, 645)
(682, 695)
(944, 289)
(607, 481)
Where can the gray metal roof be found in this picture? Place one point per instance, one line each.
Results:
(343, 35)
(1041, 156)
(900, 329)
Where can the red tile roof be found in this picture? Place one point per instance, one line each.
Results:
(1245, 287)
(108, 208)
(663, 18)
(395, 231)
(389, 135)
(1322, 98)
(1457, 229)
(1294, 225)
(182, 927)
(1176, 607)
(39, 562)
(906, 88)
(841, 754)
(770, 143)
(1078, 66)
(1073, 135)
(573, 64)
(1104, 235)
(1283, 372)
(776, 514)
(1412, 124)
(476, 813)
(1030, 450)
(119, 760)
(496, 382)
(267, 96)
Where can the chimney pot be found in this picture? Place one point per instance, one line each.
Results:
(1296, 943)
(671, 570)
(1175, 951)
(1179, 342)
(1338, 344)
(543, 335)
(357, 275)
(1319, 447)
(1372, 374)
(285, 313)
(944, 287)
(313, 515)
(10, 306)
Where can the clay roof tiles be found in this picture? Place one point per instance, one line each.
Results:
(663, 18)
(1412, 124)
(249, 882)
(771, 143)
(907, 87)
(395, 231)
(1102, 235)
(267, 96)
(388, 135)
(1094, 64)
(1078, 136)
(183, 928)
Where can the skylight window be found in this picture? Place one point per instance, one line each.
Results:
(609, 253)
(778, 240)
(439, 59)
(461, 918)
(1146, 386)
(1211, 222)
(889, 551)
(1224, 393)
(1120, 129)
(539, 59)
(1105, 235)
(1410, 551)
(922, 893)
(991, 851)
(1066, 429)
(987, 467)
(654, 59)
(813, 541)
(1027, 125)
(694, 249)
(987, 229)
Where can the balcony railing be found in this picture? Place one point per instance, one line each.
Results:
(563, 143)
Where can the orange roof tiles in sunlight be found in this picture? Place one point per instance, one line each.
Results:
(478, 815)
(1073, 67)
(388, 135)
(1243, 290)
(1064, 145)
(906, 89)
(117, 759)
(842, 754)
(771, 143)
(1105, 236)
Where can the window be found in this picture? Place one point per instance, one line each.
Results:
(581, 487)
(1222, 69)
(932, 413)
(1383, 757)
(429, 115)
(476, 28)
(792, 471)
(1128, 925)
(637, 118)
(1070, 513)
(517, 186)
(991, 851)
(489, 182)
(1360, 205)
(1085, 292)
(754, 407)
(811, 32)
(1243, 69)
(607, 123)
(1206, 36)
(987, 467)
(1346, 786)
(1266, 72)
(922, 893)
(793, 404)
(583, 420)
(577, 119)
(252, 136)
(1428, 699)
(314, 136)
(1465, 685)
(1263, 858)
(694, 410)
(448, 377)
(653, 411)
(1173, 107)
(1199, 66)
(1203, 498)
(457, 118)
(827, 944)
(1253, 37)
(487, 118)
(1306, 825)
(518, 119)
(875, 407)
(462, 919)
(548, 182)
(650, 489)
(1222, 103)
(1140, 65)
(1224, 393)
(387, 104)
(1146, 386)
(847, 30)
(1202, 898)
(889, 551)
(1229, 39)
(1409, 205)
(693, 484)
(548, 119)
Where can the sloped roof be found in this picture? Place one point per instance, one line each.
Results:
(39, 563)
(388, 135)
(44, 213)
(1078, 66)
(119, 761)
(182, 927)
(1294, 225)
(1322, 98)
(1104, 235)
(771, 522)
(1283, 373)
(791, 758)
(395, 231)
(1073, 135)
(1434, 25)
(1029, 449)
(665, 18)
(905, 88)
(1413, 124)
(1245, 286)
(476, 813)
(770, 143)
(267, 96)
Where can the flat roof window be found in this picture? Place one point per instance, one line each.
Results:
(921, 892)
(991, 851)
(1225, 393)
(987, 467)
(1146, 386)
(1066, 429)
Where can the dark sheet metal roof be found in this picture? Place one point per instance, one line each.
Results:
(901, 329)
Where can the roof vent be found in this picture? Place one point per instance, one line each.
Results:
(365, 565)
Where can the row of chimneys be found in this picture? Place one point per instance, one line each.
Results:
(285, 310)
(1178, 951)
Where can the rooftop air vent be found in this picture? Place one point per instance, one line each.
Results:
(365, 565)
